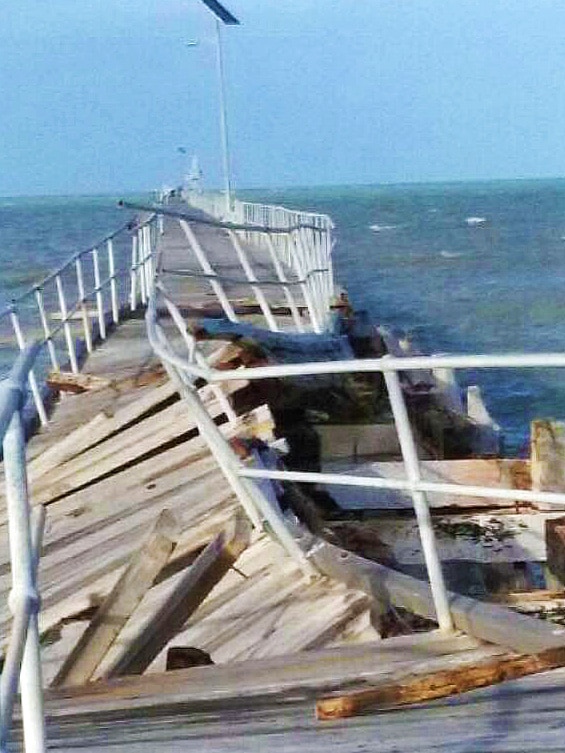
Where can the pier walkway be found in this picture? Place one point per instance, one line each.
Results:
(146, 550)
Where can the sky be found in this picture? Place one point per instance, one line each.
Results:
(97, 95)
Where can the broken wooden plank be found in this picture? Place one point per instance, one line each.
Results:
(440, 684)
(310, 672)
(120, 603)
(495, 473)
(98, 429)
(65, 381)
(208, 568)
(489, 622)
(116, 452)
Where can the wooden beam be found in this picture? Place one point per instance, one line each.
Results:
(118, 606)
(64, 381)
(190, 591)
(488, 622)
(307, 673)
(438, 684)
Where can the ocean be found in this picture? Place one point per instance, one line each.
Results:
(459, 267)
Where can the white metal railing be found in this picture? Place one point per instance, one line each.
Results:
(65, 313)
(21, 660)
(294, 240)
(188, 368)
(72, 308)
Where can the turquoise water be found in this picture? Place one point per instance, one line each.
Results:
(425, 267)
(36, 236)
(456, 284)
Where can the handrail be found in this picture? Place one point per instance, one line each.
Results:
(23, 647)
(299, 246)
(59, 270)
(110, 266)
(224, 224)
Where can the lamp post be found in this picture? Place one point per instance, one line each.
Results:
(222, 14)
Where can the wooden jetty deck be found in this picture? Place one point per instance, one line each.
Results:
(146, 549)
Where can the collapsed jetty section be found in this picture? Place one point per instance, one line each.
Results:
(244, 493)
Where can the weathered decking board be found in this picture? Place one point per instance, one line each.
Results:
(275, 675)
(523, 715)
(107, 484)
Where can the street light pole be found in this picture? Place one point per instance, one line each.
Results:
(222, 14)
(223, 118)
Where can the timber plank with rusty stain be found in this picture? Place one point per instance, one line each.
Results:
(416, 688)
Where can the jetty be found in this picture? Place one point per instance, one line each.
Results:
(182, 561)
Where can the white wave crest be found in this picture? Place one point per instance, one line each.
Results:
(476, 220)
(381, 228)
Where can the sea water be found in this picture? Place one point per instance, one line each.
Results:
(39, 234)
(460, 268)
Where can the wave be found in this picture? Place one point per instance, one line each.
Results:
(450, 254)
(380, 228)
(476, 220)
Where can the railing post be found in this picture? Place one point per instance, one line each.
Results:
(328, 252)
(279, 271)
(259, 510)
(24, 594)
(141, 266)
(99, 297)
(255, 287)
(113, 284)
(306, 252)
(299, 266)
(199, 359)
(148, 258)
(38, 402)
(66, 325)
(412, 467)
(83, 308)
(202, 259)
(133, 274)
(46, 329)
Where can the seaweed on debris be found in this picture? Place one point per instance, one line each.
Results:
(489, 532)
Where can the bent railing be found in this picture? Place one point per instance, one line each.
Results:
(412, 482)
(192, 366)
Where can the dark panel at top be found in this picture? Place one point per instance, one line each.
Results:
(222, 13)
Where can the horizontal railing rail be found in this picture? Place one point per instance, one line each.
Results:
(249, 226)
